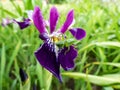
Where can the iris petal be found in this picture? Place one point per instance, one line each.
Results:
(38, 20)
(54, 15)
(44, 36)
(67, 56)
(24, 24)
(68, 22)
(46, 56)
(78, 33)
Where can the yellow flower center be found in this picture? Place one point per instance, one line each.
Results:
(55, 39)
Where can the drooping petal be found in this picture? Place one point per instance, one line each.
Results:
(68, 22)
(54, 15)
(46, 56)
(24, 24)
(78, 33)
(67, 56)
(38, 20)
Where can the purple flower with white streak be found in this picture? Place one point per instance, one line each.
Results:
(24, 24)
(49, 55)
(26, 21)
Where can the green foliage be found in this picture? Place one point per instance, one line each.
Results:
(97, 65)
(57, 1)
(101, 80)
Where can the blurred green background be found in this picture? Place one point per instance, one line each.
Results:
(97, 65)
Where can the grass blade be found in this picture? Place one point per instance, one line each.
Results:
(98, 80)
(100, 44)
(17, 7)
(9, 13)
(109, 43)
(14, 54)
(108, 63)
(3, 62)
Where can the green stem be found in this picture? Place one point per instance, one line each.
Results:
(44, 77)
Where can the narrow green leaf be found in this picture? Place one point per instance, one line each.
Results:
(100, 44)
(28, 4)
(44, 77)
(108, 88)
(48, 78)
(14, 54)
(39, 72)
(9, 12)
(3, 63)
(16, 66)
(98, 80)
(86, 47)
(106, 63)
(109, 43)
(17, 7)
(25, 86)
(83, 60)
(14, 84)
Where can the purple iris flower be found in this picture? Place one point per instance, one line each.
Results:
(25, 23)
(22, 24)
(49, 55)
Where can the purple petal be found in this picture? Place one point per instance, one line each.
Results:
(24, 24)
(67, 56)
(38, 20)
(54, 15)
(46, 56)
(78, 33)
(44, 36)
(68, 22)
